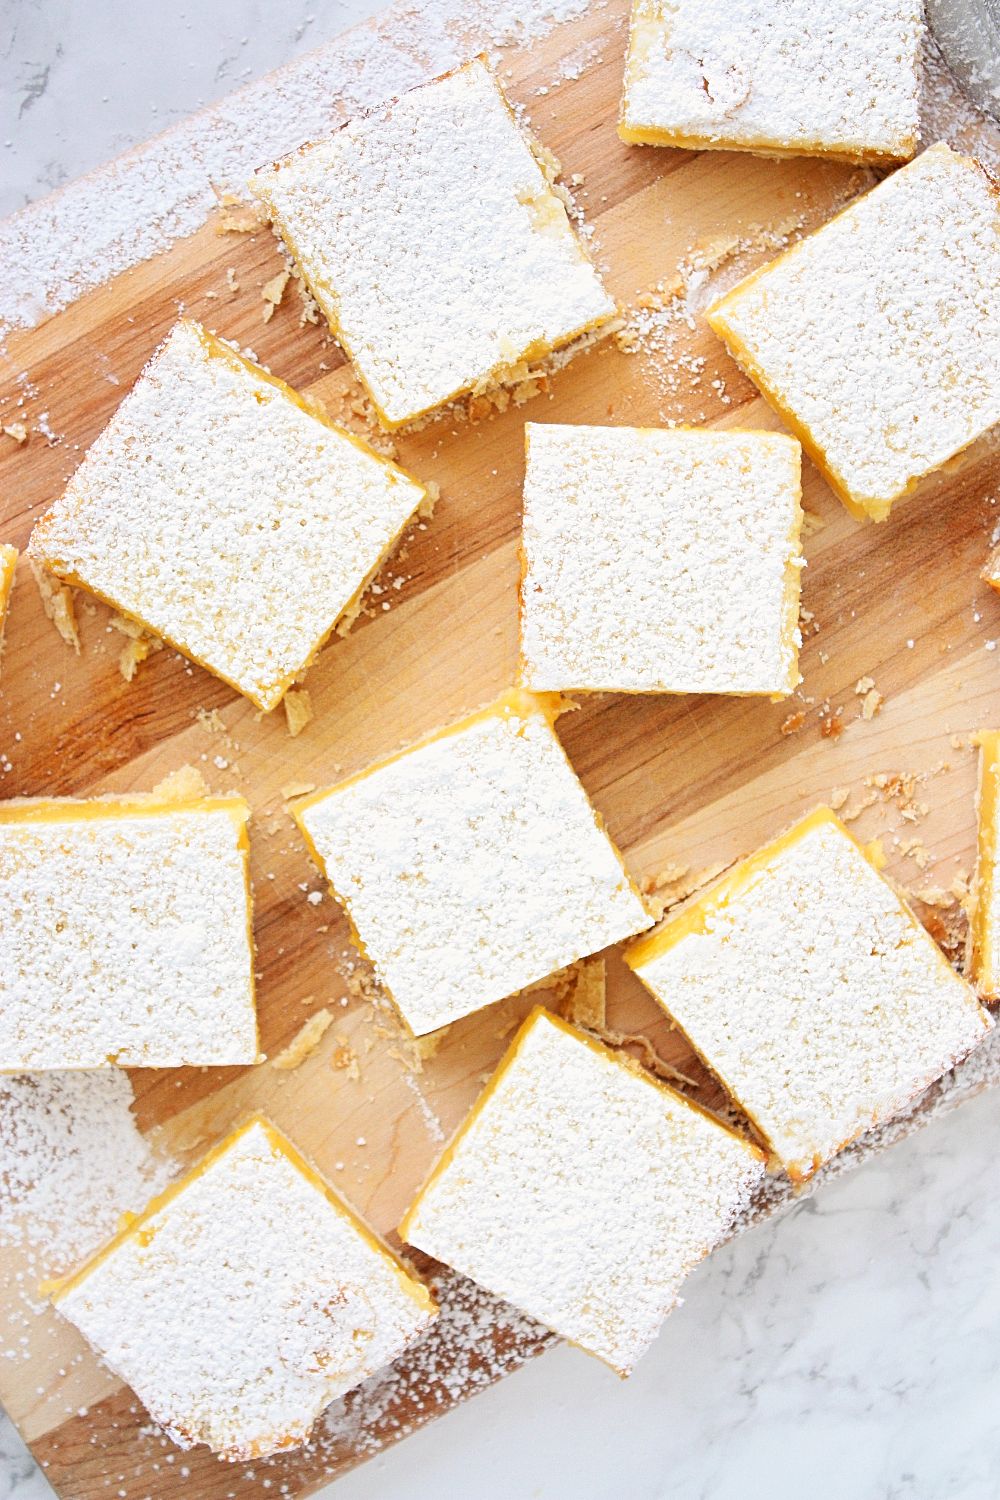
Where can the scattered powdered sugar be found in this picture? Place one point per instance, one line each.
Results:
(431, 1122)
(475, 1340)
(72, 1160)
(587, 55)
(394, 248)
(53, 251)
(242, 1306)
(947, 115)
(666, 325)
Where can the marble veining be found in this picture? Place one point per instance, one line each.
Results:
(848, 1351)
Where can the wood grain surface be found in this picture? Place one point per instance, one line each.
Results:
(685, 784)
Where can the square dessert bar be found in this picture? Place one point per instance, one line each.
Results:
(779, 77)
(984, 924)
(876, 337)
(8, 562)
(245, 1299)
(660, 561)
(583, 1190)
(473, 864)
(434, 244)
(125, 930)
(222, 514)
(811, 991)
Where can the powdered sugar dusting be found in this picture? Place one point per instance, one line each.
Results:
(947, 115)
(775, 76)
(475, 1340)
(72, 1160)
(631, 539)
(138, 206)
(434, 290)
(583, 1191)
(224, 517)
(292, 1301)
(125, 935)
(472, 865)
(847, 1009)
(893, 369)
(430, 1120)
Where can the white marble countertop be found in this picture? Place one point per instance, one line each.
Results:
(851, 1349)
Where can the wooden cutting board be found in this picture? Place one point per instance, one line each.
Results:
(685, 784)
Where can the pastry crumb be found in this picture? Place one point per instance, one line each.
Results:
(246, 222)
(305, 1042)
(131, 657)
(272, 292)
(935, 895)
(637, 1042)
(668, 876)
(584, 1001)
(57, 602)
(345, 1059)
(135, 651)
(667, 893)
(210, 720)
(293, 789)
(431, 497)
(186, 784)
(428, 1045)
(298, 710)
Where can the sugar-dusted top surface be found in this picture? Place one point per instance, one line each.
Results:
(472, 866)
(222, 514)
(780, 74)
(246, 1304)
(880, 332)
(583, 1192)
(814, 994)
(434, 243)
(660, 561)
(125, 936)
